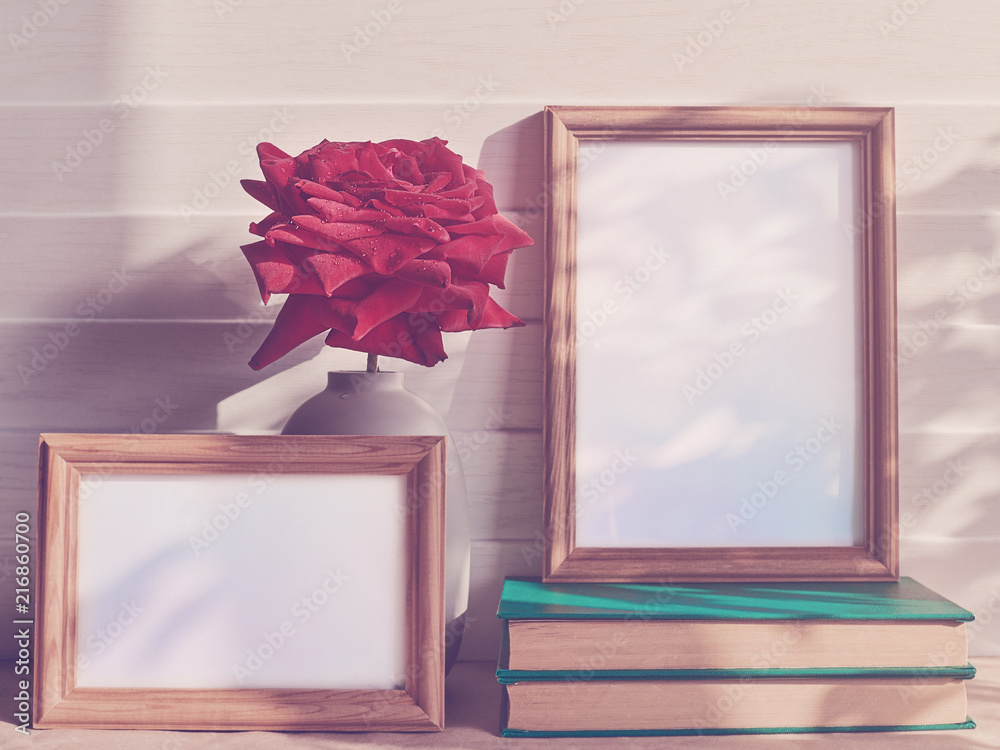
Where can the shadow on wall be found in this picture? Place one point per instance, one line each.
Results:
(110, 370)
(510, 360)
(949, 315)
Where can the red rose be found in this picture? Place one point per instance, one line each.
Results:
(382, 245)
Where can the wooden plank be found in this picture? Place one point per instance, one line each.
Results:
(153, 267)
(948, 273)
(948, 268)
(948, 485)
(185, 159)
(945, 163)
(503, 473)
(965, 571)
(491, 562)
(224, 394)
(685, 50)
(948, 378)
(505, 363)
(129, 376)
(18, 476)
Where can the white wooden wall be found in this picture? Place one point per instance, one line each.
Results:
(126, 125)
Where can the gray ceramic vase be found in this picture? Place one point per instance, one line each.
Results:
(362, 403)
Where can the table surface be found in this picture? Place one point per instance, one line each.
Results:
(472, 718)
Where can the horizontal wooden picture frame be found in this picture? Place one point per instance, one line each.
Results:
(720, 344)
(220, 582)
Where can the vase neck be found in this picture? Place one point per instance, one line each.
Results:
(364, 381)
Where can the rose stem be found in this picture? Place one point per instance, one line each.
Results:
(372, 362)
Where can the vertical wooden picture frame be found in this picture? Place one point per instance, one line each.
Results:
(720, 345)
(220, 582)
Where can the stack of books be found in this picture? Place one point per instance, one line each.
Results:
(592, 659)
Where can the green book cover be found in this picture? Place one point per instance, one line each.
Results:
(900, 600)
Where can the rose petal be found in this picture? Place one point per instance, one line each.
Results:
(333, 212)
(333, 270)
(294, 325)
(319, 169)
(390, 299)
(439, 182)
(277, 272)
(261, 228)
(428, 203)
(263, 192)
(316, 190)
(281, 173)
(369, 163)
(396, 337)
(302, 238)
(470, 253)
(330, 210)
(406, 146)
(474, 250)
(429, 272)
(459, 295)
(492, 273)
(439, 158)
(484, 191)
(430, 206)
(512, 235)
(339, 158)
(417, 226)
(453, 321)
(357, 317)
(388, 252)
(336, 231)
(358, 288)
(465, 191)
(333, 313)
(270, 151)
(407, 173)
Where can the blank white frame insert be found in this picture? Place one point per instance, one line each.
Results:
(238, 581)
